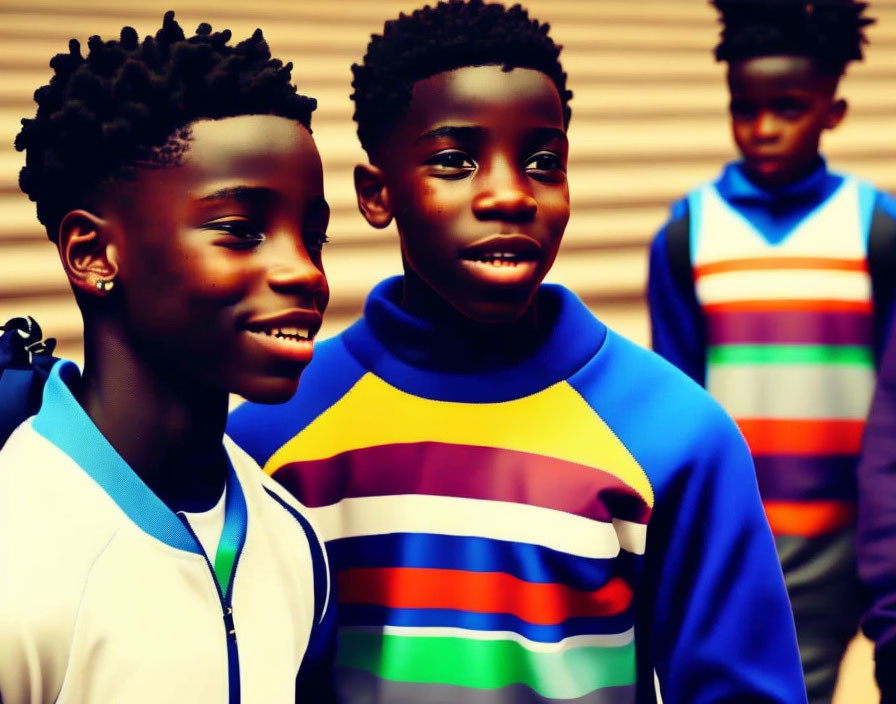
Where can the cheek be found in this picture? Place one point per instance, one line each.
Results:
(189, 283)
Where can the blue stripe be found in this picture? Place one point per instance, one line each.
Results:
(867, 202)
(314, 680)
(530, 563)
(366, 615)
(318, 564)
(236, 518)
(695, 208)
(63, 422)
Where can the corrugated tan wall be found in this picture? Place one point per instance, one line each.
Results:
(649, 121)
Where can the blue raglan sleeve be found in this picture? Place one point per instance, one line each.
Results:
(676, 322)
(722, 624)
(712, 616)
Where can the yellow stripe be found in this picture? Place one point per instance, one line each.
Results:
(555, 422)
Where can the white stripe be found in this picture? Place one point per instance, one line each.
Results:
(832, 230)
(786, 284)
(610, 640)
(792, 391)
(497, 520)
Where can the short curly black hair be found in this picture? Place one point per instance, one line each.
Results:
(451, 35)
(130, 104)
(831, 32)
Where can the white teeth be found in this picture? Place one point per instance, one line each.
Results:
(289, 333)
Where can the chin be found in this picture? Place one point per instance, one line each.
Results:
(270, 390)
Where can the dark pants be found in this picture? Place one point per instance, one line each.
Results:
(820, 574)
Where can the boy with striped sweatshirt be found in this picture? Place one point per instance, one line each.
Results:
(518, 504)
(772, 287)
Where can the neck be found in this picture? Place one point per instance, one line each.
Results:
(167, 429)
(497, 342)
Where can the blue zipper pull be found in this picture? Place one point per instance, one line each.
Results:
(228, 622)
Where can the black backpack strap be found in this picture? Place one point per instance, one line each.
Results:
(678, 250)
(25, 363)
(882, 267)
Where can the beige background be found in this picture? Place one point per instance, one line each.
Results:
(649, 122)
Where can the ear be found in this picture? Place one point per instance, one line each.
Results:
(836, 113)
(373, 196)
(87, 254)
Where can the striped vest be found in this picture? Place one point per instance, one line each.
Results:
(789, 348)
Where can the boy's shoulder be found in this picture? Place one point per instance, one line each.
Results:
(667, 421)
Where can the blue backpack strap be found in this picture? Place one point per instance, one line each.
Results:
(314, 681)
(25, 363)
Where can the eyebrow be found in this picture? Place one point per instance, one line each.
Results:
(539, 134)
(546, 134)
(243, 193)
(459, 133)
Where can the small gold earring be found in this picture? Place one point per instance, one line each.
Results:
(104, 285)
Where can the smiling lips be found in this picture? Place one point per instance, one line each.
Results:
(503, 259)
(289, 336)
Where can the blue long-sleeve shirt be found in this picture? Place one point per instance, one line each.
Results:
(547, 529)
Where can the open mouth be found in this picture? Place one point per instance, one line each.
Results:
(500, 259)
(503, 259)
(287, 333)
(289, 336)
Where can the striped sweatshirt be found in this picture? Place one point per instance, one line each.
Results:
(781, 323)
(557, 529)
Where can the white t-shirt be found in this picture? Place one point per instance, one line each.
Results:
(207, 525)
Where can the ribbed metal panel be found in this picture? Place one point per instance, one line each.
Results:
(648, 122)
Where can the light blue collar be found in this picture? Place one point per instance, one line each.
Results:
(63, 422)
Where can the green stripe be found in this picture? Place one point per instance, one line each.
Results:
(487, 664)
(791, 354)
(224, 560)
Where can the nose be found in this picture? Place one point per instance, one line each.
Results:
(292, 270)
(505, 194)
(766, 127)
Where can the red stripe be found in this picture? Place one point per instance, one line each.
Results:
(479, 592)
(802, 437)
(771, 306)
(777, 263)
(809, 519)
(464, 471)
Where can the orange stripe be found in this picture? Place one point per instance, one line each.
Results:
(802, 437)
(479, 592)
(774, 306)
(809, 519)
(759, 263)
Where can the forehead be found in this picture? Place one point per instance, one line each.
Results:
(771, 74)
(250, 148)
(485, 94)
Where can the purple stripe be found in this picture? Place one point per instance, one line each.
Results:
(464, 471)
(806, 478)
(789, 327)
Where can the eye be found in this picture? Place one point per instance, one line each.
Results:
(790, 108)
(742, 109)
(544, 161)
(546, 166)
(241, 234)
(451, 163)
